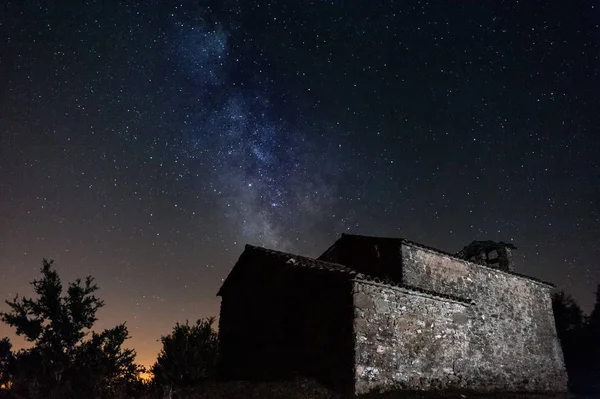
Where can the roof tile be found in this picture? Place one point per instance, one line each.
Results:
(292, 260)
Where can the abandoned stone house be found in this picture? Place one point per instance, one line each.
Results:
(383, 314)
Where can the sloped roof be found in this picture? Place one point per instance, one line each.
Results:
(397, 241)
(297, 261)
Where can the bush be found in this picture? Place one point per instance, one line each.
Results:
(188, 356)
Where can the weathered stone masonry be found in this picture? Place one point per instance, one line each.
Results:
(407, 340)
(512, 342)
(379, 314)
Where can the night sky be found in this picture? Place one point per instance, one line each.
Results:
(145, 143)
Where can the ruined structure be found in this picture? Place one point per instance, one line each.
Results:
(384, 314)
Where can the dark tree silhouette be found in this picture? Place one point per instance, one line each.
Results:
(594, 320)
(60, 362)
(188, 356)
(594, 343)
(580, 339)
(570, 327)
(6, 362)
(567, 313)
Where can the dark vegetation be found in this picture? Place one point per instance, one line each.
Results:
(580, 339)
(67, 359)
(188, 357)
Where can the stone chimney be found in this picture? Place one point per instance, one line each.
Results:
(493, 254)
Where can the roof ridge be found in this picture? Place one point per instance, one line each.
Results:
(454, 256)
(345, 270)
(339, 267)
(393, 284)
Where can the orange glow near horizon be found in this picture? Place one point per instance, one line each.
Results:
(146, 322)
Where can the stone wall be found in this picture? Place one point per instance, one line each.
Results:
(406, 340)
(512, 341)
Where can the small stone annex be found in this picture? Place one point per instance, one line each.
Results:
(378, 314)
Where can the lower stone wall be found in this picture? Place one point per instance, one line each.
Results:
(406, 340)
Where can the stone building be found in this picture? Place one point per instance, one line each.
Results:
(384, 314)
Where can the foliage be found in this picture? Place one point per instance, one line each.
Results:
(60, 362)
(594, 337)
(594, 320)
(567, 313)
(6, 362)
(570, 323)
(580, 340)
(189, 354)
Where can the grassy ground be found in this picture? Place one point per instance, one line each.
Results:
(295, 389)
(308, 389)
(301, 388)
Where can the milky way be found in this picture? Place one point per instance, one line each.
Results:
(272, 180)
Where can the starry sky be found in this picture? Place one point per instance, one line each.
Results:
(146, 142)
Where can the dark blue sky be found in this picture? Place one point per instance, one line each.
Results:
(146, 143)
